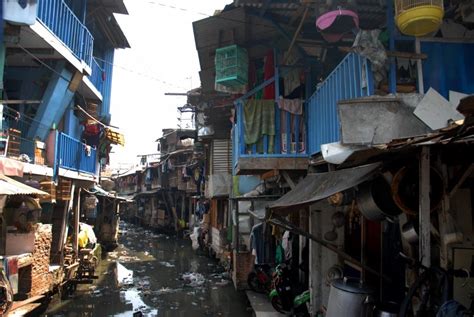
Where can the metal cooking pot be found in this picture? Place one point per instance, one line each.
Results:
(349, 297)
(409, 232)
(374, 199)
(389, 309)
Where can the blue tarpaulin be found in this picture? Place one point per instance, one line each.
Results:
(449, 66)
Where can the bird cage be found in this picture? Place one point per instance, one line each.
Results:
(231, 66)
(418, 17)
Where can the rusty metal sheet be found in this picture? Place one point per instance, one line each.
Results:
(322, 185)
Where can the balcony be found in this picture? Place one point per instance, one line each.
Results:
(97, 75)
(74, 155)
(352, 78)
(61, 20)
(286, 150)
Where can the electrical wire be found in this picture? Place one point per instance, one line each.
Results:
(218, 16)
(19, 117)
(35, 57)
(140, 73)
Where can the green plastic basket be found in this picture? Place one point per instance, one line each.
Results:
(231, 66)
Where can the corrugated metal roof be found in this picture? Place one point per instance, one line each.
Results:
(315, 187)
(9, 186)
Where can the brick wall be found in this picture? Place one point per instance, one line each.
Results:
(243, 265)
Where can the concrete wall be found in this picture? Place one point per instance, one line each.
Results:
(320, 258)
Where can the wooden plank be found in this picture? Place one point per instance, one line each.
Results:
(399, 54)
(24, 310)
(258, 165)
(75, 81)
(424, 208)
(19, 304)
(461, 180)
(20, 102)
(288, 179)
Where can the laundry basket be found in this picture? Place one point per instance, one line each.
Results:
(418, 17)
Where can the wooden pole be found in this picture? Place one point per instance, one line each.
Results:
(424, 207)
(419, 68)
(293, 40)
(236, 227)
(76, 223)
(363, 239)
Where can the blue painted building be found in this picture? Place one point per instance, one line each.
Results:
(57, 81)
(332, 86)
(56, 69)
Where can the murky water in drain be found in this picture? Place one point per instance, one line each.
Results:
(157, 275)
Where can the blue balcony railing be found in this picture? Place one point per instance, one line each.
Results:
(61, 20)
(352, 78)
(74, 155)
(289, 139)
(97, 78)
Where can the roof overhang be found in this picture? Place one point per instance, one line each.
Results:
(319, 186)
(9, 186)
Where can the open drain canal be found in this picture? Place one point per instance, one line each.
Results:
(156, 275)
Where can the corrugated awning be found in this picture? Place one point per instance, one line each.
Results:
(322, 185)
(9, 186)
(99, 191)
(148, 192)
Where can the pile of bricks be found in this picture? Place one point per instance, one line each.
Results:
(40, 277)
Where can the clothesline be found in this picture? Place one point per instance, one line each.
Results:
(94, 119)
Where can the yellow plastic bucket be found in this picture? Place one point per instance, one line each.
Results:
(419, 21)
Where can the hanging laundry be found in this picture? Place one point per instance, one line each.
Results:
(257, 243)
(269, 72)
(287, 244)
(294, 106)
(259, 119)
(292, 78)
(279, 254)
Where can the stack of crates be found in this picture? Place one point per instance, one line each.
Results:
(14, 137)
(63, 191)
(231, 66)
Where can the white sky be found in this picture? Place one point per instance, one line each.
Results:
(162, 47)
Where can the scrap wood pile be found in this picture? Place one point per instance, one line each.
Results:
(40, 277)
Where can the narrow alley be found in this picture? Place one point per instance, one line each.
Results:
(264, 158)
(154, 274)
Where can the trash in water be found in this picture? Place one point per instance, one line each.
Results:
(143, 284)
(222, 282)
(166, 290)
(166, 264)
(124, 275)
(193, 279)
(126, 258)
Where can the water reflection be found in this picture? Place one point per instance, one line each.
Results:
(157, 275)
